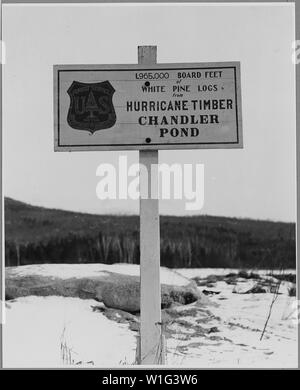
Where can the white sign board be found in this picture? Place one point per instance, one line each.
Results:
(161, 106)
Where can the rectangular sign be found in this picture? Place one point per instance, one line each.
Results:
(162, 106)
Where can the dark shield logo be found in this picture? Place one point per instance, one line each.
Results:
(91, 106)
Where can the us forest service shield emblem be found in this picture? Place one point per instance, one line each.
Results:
(91, 107)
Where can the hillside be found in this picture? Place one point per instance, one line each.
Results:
(39, 235)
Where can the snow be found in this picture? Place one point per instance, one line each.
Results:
(36, 327)
(205, 272)
(65, 271)
(237, 344)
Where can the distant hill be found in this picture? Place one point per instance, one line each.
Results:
(40, 235)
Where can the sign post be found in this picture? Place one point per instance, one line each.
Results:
(151, 348)
(148, 107)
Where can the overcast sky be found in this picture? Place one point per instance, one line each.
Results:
(257, 181)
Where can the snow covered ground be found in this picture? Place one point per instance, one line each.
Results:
(240, 321)
(58, 331)
(64, 271)
(205, 272)
(65, 332)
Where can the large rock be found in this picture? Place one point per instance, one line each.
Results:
(115, 290)
(125, 295)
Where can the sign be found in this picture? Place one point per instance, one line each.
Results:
(159, 106)
(148, 107)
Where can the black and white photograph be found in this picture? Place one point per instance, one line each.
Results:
(149, 185)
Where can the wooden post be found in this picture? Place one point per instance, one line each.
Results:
(150, 350)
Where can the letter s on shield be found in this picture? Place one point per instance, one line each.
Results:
(91, 107)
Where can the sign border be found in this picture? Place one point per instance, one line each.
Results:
(57, 69)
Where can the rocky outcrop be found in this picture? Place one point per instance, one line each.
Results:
(115, 290)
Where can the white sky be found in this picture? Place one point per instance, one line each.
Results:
(258, 181)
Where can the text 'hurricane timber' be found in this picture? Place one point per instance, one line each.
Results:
(160, 106)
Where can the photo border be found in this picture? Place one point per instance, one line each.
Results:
(136, 2)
